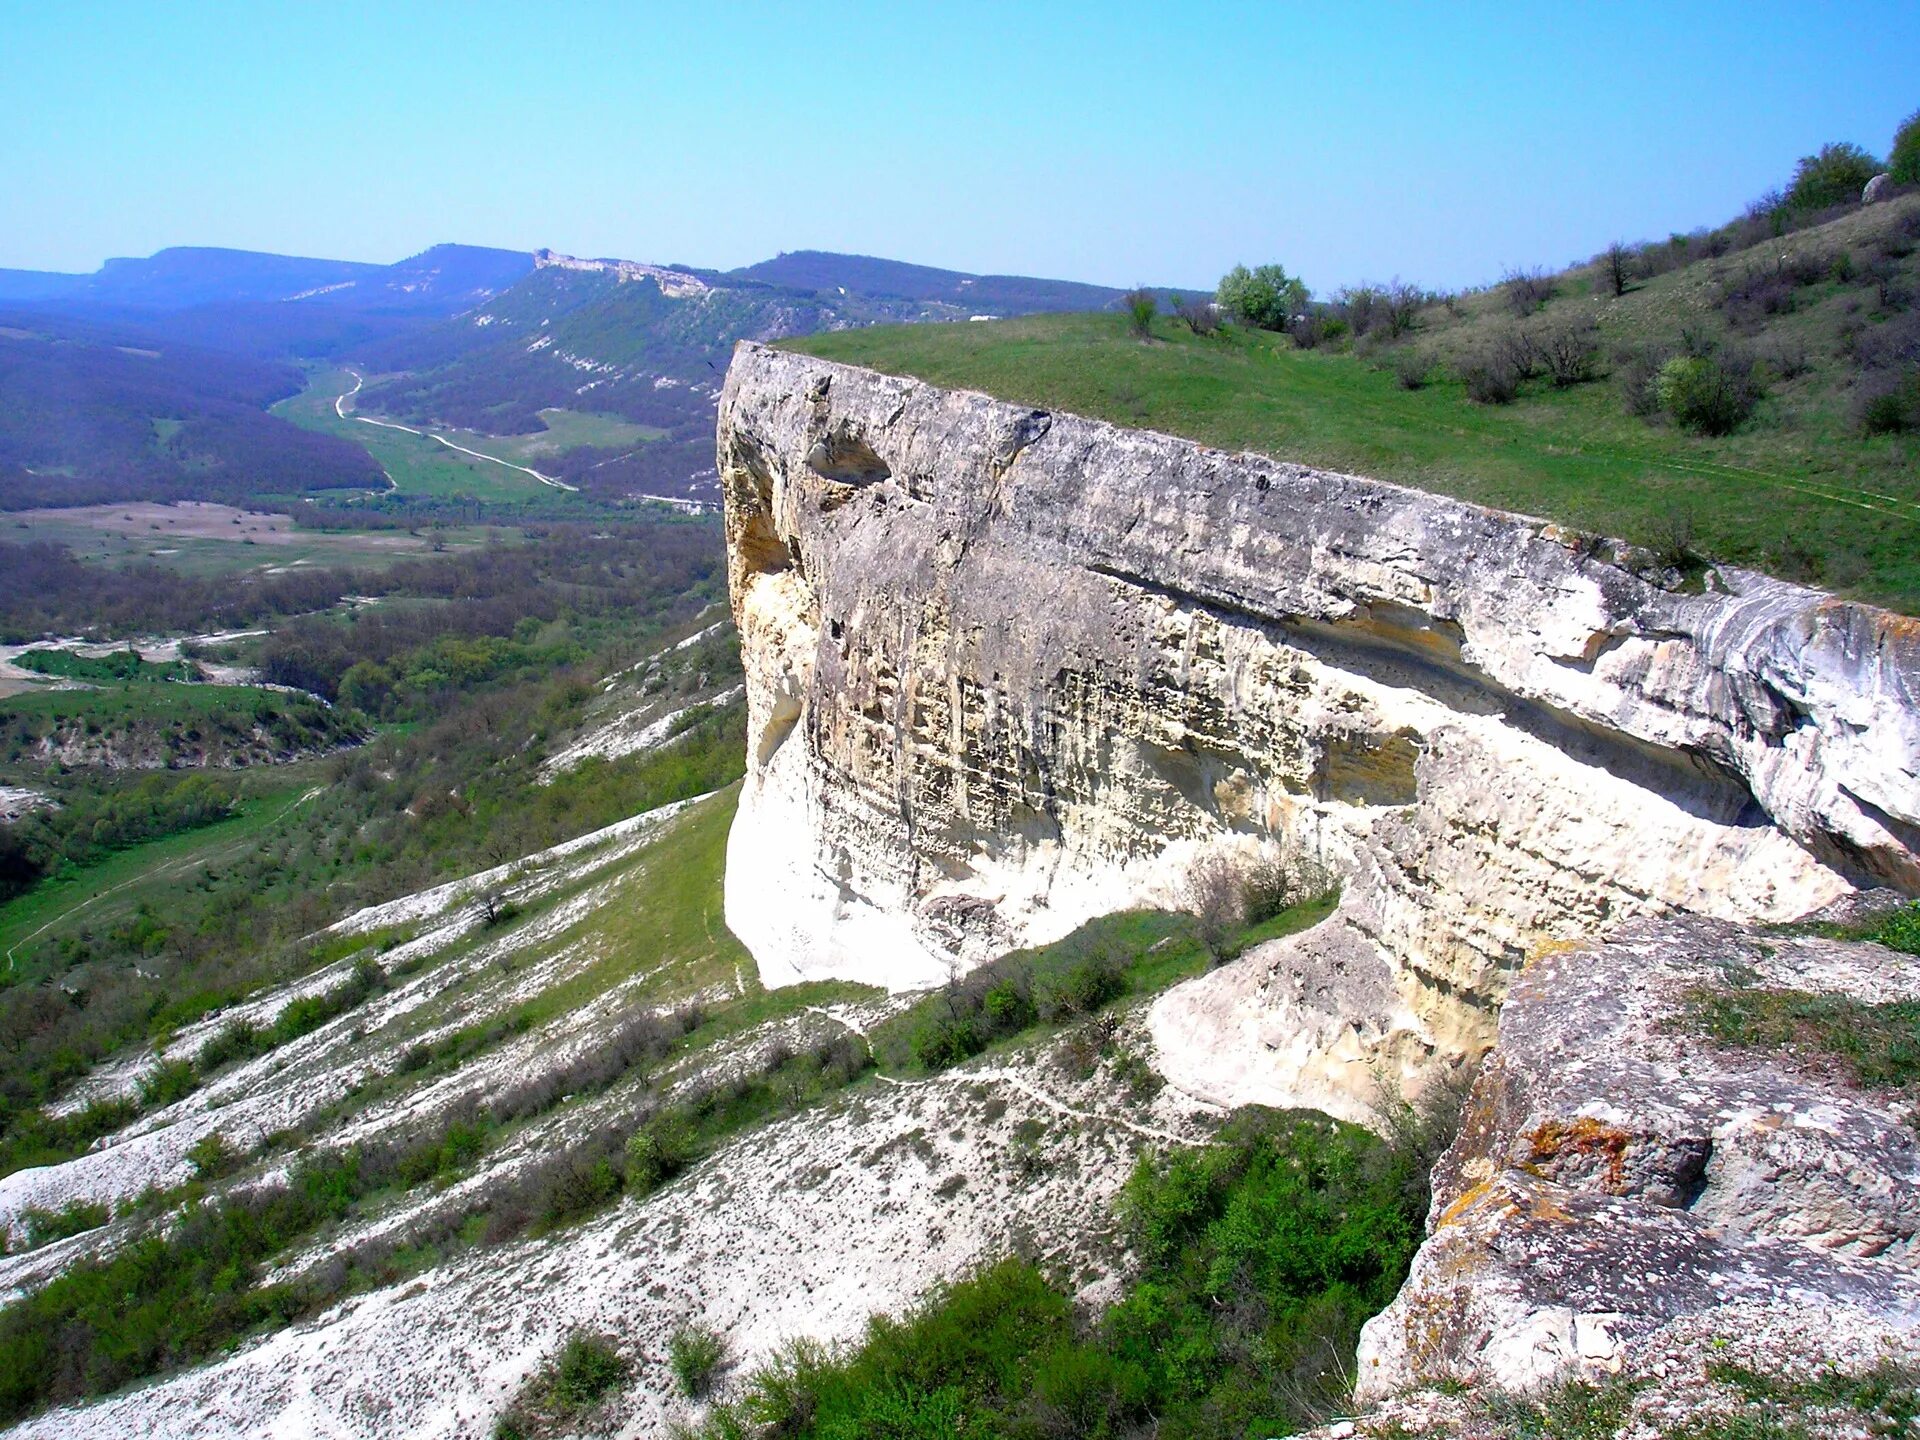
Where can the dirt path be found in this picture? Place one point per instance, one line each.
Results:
(168, 869)
(339, 408)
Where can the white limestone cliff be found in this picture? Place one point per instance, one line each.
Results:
(1008, 669)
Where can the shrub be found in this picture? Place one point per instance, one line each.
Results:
(1704, 394)
(1890, 405)
(1198, 314)
(1360, 307)
(1527, 290)
(1140, 306)
(1266, 296)
(167, 1082)
(1636, 371)
(1899, 930)
(656, 1152)
(1267, 887)
(1400, 306)
(1567, 350)
(1216, 897)
(76, 1217)
(1080, 988)
(1786, 357)
(1490, 375)
(1903, 162)
(1834, 176)
(1411, 368)
(695, 1355)
(586, 1368)
(1674, 538)
(212, 1157)
(1307, 330)
(784, 1395)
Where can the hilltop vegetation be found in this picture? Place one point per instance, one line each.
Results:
(1743, 395)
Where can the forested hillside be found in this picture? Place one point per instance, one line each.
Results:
(90, 414)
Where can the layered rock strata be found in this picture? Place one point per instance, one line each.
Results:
(1008, 669)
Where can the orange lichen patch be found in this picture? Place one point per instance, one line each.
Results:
(1541, 949)
(1603, 1146)
(1542, 1206)
(1466, 1202)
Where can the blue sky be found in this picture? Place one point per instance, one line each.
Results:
(1116, 142)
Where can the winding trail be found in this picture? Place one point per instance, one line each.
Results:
(171, 867)
(339, 408)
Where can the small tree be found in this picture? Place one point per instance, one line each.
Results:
(1266, 296)
(1399, 305)
(1141, 307)
(1216, 897)
(1361, 307)
(1835, 176)
(1198, 314)
(1904, 161)
(1616, 268)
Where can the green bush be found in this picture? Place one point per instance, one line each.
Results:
(1141, 306)
(1903, 162)
(658, 1151)
(586, 1368)
(1266, 296)
(35, 1138)
(1835, 176)
(1702, 394)
(212, 1157)
(1892, 407)
(76, 1217)
(696, 1354)
(1899, 930)
(167, 1082)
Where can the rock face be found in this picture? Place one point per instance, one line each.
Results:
(1007, 669)
(1876, 189)
(1618, 1175)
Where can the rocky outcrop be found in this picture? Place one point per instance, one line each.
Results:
(1007, 669)
(675, 284)
(1619, 1175)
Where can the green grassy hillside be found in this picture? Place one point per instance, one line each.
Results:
(1799, 488)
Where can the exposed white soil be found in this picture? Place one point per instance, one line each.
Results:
(803, 1228)
(295, 1081)
(634, 734)
(17, 801)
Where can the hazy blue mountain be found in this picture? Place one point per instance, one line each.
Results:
(895, 279)
(443, 279)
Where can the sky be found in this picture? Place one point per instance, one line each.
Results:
(1117, 143)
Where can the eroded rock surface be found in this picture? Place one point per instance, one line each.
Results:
(1008, 669)
(1618, 1174)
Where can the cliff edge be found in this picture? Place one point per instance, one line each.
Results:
(1008, 669)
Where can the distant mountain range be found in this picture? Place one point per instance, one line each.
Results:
(444, 279)
(462, 336)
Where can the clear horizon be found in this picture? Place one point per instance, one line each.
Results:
(1154, 144)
